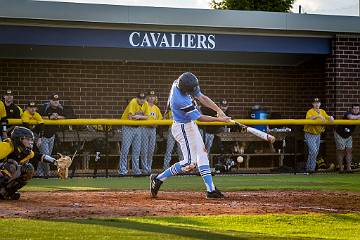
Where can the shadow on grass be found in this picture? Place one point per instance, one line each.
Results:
(351, 218)
(183, 231)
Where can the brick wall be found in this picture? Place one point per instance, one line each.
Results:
(101, 89)
(343, 74)
(343, 81)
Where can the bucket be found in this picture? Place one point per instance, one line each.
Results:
(259, 113)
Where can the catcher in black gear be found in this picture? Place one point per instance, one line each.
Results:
(15, 168)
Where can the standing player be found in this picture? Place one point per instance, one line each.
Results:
(137, 109)
(52, 110)
(12, 110)
(31, 114)
(313, 133)
(343, 139)
(149, 134)
(170, 143)
(211, 131)
(3, 121)
(187, 134)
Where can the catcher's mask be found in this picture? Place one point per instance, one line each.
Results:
(18, 135)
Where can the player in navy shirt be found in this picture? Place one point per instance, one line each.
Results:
(343, 139)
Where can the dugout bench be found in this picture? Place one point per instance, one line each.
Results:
(242, 141)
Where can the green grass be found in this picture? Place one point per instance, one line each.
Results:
(337, 182)
(314, 226)
(269, 226)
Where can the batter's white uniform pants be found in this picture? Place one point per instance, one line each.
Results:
(191, 144)
(170, 144)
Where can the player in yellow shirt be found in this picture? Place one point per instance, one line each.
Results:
(149, 134)
(137, 109)
(3, 121)
(30, 114)
(313, 133)
(15, 169)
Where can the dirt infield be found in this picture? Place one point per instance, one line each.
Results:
(85, 204)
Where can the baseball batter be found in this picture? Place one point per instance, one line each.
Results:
(187, 134)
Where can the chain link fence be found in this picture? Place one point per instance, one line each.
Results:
(98, 150)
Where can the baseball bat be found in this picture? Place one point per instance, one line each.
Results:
(255, 132)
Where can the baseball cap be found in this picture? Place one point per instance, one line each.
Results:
(141, 95)
(151, 93)
(55, 97)
(8, 92)
(316, 100)
(31, 104)
(223, 102)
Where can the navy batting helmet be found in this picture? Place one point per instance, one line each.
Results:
(188, 83)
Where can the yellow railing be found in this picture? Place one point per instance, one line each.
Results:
(282, 122)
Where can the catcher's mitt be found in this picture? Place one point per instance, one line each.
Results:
(63, 164)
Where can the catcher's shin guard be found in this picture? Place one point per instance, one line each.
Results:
(10, 190)
(7, 196)
(15, 196)
(8, 171)
(27, 171)
(155, 185)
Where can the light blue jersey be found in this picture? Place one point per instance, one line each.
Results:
(187, 134)
(182, 105)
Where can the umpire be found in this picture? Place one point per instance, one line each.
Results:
(343, 139)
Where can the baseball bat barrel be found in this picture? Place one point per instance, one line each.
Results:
(256, 132)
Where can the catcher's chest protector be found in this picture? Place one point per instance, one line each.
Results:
(16, 155)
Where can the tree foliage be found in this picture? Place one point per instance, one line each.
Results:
(254, 5)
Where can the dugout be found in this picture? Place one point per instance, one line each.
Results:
(99, 56)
